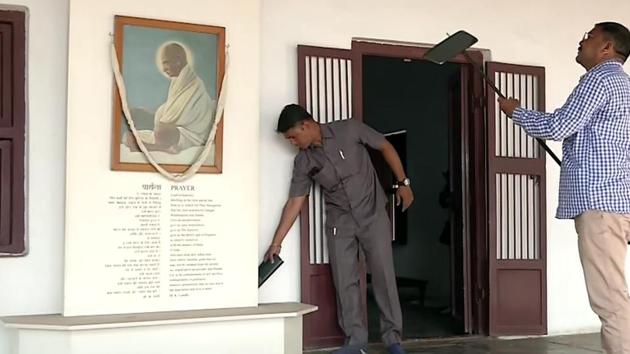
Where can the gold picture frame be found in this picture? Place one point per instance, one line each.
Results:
(172, 73)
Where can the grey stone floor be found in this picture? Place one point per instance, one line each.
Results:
(574, 344)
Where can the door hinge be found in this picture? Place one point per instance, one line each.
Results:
(480, 295)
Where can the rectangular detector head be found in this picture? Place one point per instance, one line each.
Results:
(450, 47)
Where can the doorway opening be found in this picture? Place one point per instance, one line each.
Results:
(496, 175)
(418, 106)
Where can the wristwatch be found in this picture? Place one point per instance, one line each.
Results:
(404, 182)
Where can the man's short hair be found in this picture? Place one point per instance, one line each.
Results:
(619, 35)
(291, 115)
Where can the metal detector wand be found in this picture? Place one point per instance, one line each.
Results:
(495, 89)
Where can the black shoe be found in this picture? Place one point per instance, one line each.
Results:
(395, 349)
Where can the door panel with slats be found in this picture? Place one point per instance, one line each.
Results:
(325, 90)
(517, 222)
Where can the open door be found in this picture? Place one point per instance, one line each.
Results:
(325, 90)
(386, 177)
(516, 208)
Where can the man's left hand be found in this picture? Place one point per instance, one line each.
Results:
(508, 105)
(404, 194)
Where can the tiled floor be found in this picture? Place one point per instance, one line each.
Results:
(575, 344)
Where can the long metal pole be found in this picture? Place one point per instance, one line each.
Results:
(491, 84)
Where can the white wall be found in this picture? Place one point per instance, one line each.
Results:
(32, 284)
(537, 32)
(547, 34)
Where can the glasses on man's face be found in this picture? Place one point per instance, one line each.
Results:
(587, 35)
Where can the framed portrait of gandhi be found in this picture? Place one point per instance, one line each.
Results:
(172, 75)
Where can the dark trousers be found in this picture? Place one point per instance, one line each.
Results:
(375, 241)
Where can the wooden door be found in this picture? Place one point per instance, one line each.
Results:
(517, 208)
(324, 89)
(12, 132)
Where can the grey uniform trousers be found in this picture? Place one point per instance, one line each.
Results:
(343, 246)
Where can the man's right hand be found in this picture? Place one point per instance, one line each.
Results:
(508, 105)
(271, 251)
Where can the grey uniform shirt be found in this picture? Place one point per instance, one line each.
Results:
(342, 167)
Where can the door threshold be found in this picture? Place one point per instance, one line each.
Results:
(440, 340)
(410, 343)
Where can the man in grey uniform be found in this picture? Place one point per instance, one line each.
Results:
(335, 156)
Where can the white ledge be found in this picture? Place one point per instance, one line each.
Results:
(57, 322)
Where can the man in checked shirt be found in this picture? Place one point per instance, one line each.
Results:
(335, 156)
(594, 125)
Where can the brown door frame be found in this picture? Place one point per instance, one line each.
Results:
(475, 161)
(458, 182)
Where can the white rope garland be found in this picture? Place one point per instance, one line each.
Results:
(176, 177)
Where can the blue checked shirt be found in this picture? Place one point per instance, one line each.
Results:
(594, 125)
